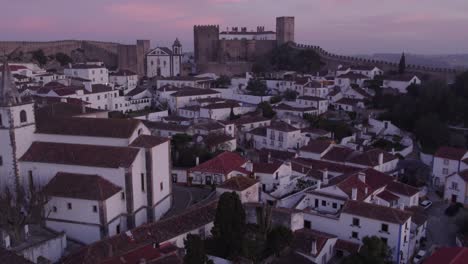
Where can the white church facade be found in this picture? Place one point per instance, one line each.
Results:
(101, 176)
(164, 62)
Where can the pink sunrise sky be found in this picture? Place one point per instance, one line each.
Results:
(343, 26)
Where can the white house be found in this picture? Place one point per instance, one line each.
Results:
(184, 96)
(349, 104)
(124, 80)
(120, 156)
(456, 187)
(96, 73)
(270, 175)
(185, 81)
(447, 161)
(287, 110)
(247, 188)
(369, 71)
(218, 169)
(278, 135)
(400, 82)
(321, 104)
(164, 62)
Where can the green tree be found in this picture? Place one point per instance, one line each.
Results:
(266, 109)
(63, 58)
(229, 226)
(277, 239)
(195, 250)
(257, 87)
(431, 132)
(373, 251)
(39, 56)
(290, 95)
(223, 82)
(402, 64)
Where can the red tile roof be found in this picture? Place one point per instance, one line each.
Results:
(303, 239)
(89, 127)
(339, 154)
(224, 163)
(268, 168)
(347, 246)
(81, 186)
(147, 141)
(158, 232)
(448, 255)
(450, 153)
(317, 146)
(377, 212)
(238, 183)
(387, 196)
(299, 163)
(371, 158)
(80, 155)
(402, 188)
(8, 256)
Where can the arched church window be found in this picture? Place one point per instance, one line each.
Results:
(23, 116)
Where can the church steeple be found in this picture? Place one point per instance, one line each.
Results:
(8, 92)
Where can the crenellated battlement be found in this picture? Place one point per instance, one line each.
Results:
(379, 63)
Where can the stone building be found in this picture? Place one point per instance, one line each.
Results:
(233, 51)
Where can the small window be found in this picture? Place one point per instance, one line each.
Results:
(334, 205)
(143, 182)
(324, 203)
(355, 235)
(95, 208)
(446, 161)
(23, 117)
(307, 224)
(1, 161)
(445, 171)
(54, 209)
(117, 229)
(355, 221)
(384, 228)
(69, 206)
(454, 186)
(384, 239)
(122, 195)
(161, 186)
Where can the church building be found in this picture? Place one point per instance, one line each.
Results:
(102, 176)
(164, 62)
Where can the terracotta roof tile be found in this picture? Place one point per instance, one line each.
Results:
(371, 158)
(80, 155)
(147, 141)
(347, 246)
(450, 153)
(90, 127)
(448, 255)
(224, 163)
(81, 186)
(339, 154)
(268, 168)
(317, 146)
(238, 183)
(401, 188)
(303, 239)
(377, 212)
(387, 196)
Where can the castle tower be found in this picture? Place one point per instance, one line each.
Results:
(284, 30)
(206, 43)
(17, 126)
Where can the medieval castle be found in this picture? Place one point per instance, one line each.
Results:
(234, 50)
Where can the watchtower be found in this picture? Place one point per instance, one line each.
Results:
(206, 43)
(284, 30)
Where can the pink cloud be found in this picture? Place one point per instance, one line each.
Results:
(147, 12)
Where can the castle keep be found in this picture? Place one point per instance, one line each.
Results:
(233, 51)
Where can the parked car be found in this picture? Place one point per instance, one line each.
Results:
(419, 257)
(426, 204)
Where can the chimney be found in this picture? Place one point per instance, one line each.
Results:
(319, 185)
(325, 176)
(313, 251)
(366, 190)
(288, 121)
(26, 232)
(362, 176)
(6, 242)
(83, 108)
(197, 161)
(269, 157)
(249, 165)
(380, 158)
(354, 194)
